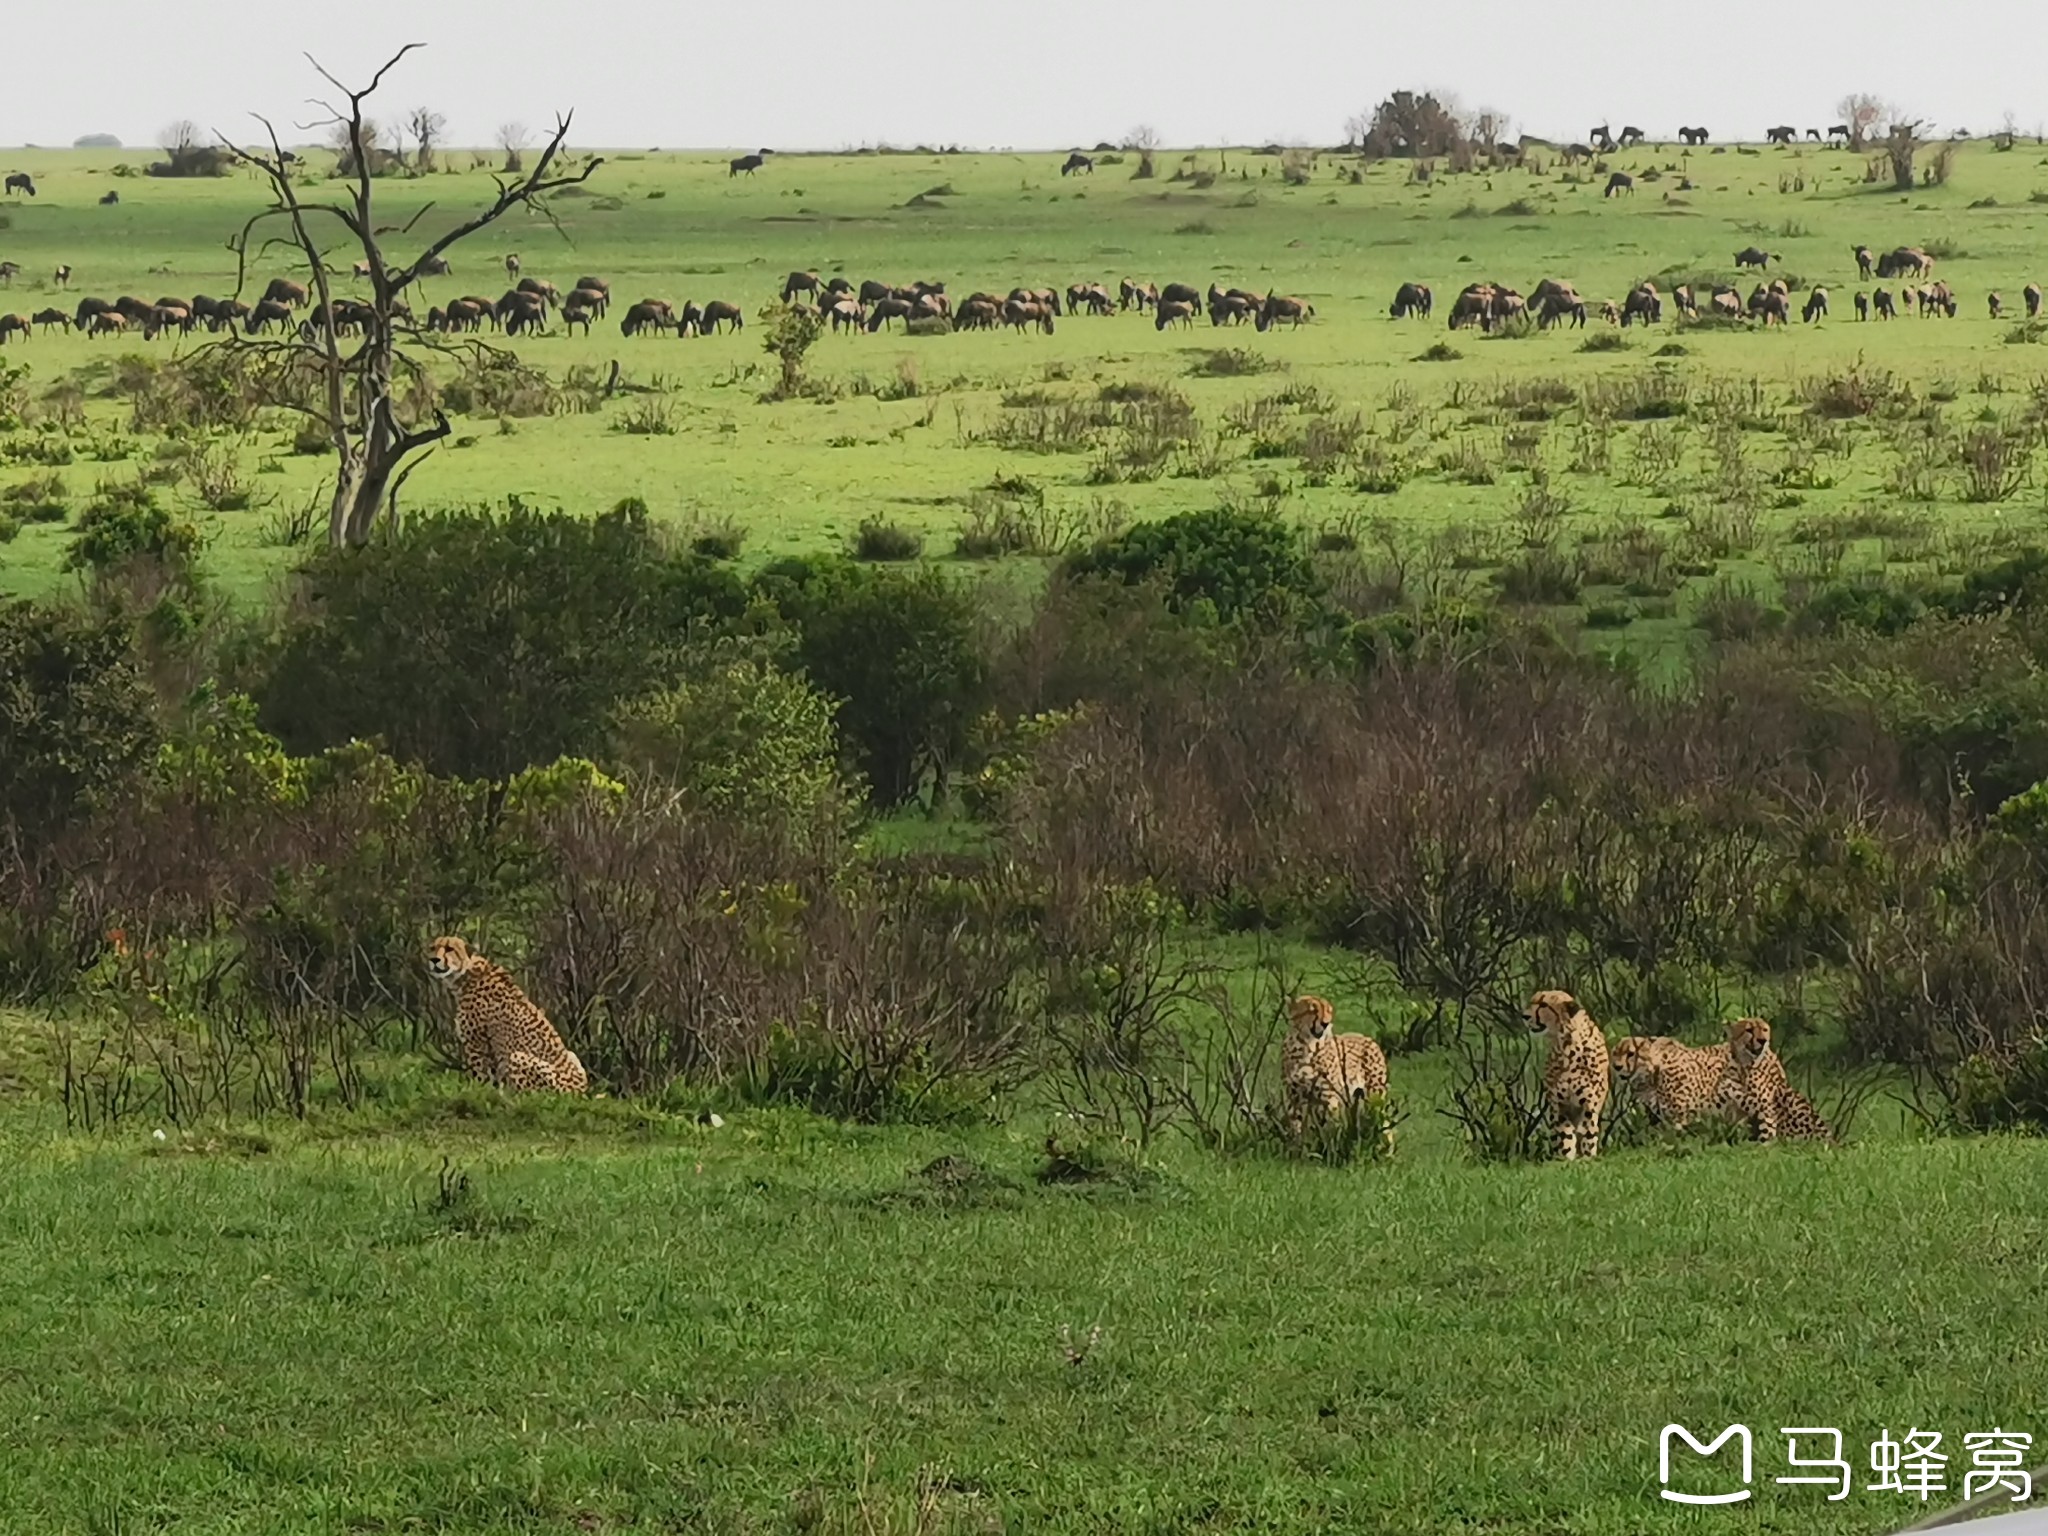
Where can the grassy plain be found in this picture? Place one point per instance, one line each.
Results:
(1444, 445)
(628, 1321)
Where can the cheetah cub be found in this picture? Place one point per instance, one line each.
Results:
(1674, 1082)
(1575, 1077)
(1763, 1099)
(505, 1038)
(1326, 1073)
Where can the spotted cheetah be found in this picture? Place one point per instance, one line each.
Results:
(1674, 1082)
(505, 1038)
(1763, 1099)
(1575, 1077)
(1326, 1073)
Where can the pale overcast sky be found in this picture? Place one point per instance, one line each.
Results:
(790, 74)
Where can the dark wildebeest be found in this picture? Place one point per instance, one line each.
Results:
(747, 163)
(13, 325)
(1138, 295)
(575, 313)
(435, 266)
(1473, 306)
(1726, 303)
(1602, 140)
(595, 285)
(137, 310)
(1754, 258)
(1692, 136)
(1620, 182)
(62, 277)
(1411, 300)
(1630, 137)
(647, 315)
(1687, 304)
(9, 271)
(1862, 305)
(2032, 294)
(540, 288)
(1782, 135)
(108, 322)
(1077, 162)
(1905, 261)
(1180, 293)
(717, 313)
(1225, 309)
(269, 312)
(1863, 262)
(887, 309)
(1997, 306)
(1560, 306)
(1816, 307)
(512, 266)
(1881, 301)
(1839, 131)
(872, 291)
(1172, 311)
(799, 282)
(1643, 304)
(1025, 313)
(845, 315)
(596, 300)
(49, 317)
(1813, 134)
(87, 308)
(286, 292)
(689, 321)
(977, 314)
(20, 181)
(109, 198)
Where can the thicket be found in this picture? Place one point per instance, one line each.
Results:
(642, 781)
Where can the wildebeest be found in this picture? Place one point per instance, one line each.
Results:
(1905, 261)
(1049, 297)
(647, 315)
(1781, 135)
(9, 271)
(1077, 162)
(575, 313)
(1881, 301)
(284, 291)
(746, 163)
(719, 312)
(109, 198)
(1620, 182)
(1560, 307)
(844, 314)
(2032, 294)
(1996, 304)
(21, 181)
(1473, 306)
(540, 288)
(1687, 304)
(1602, 139)
(976, 314)
(1754, 258)
(512, 266)
(596, 300)
(1726, 303)
(1227, 309)
(1643, 303)
(62, 277)
(1816, 306)
(799, 282)
(49, 317)
(1862, 305)
(1863, 262)
(1692, 135)
(1630, 137)
(268, 312)
(1180, 293)
(1092, 297)
(1839, 131)
(886, 309)
(1023, 314)
(13, 325)
(108, 322)
(1171, 311)
(1279, 307)
(1136, 295)
(435, 266)
(1411, 300)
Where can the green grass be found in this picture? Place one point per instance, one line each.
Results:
(626, 1324)
(805, 475)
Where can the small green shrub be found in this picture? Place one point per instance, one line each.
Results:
(882, 541)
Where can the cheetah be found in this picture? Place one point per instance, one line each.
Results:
(505, 1038)
(1575, 1077)
(1674, 1082)
(1763, 1099)
(1326, 1073)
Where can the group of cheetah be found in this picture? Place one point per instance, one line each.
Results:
(506, 1040)
(1674, 1082)
(1326, 1073)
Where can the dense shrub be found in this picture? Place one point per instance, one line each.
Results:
(478, 644)
(76, 715)
(1224, 564)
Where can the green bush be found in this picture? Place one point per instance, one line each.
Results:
(478, 644)
(78, 719)
(123, 524)
(877, 540)
(1223, 564)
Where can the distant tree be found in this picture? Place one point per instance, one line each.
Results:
(185, 155)
(354, 397)
(1862, 112)
(1142, 137)
(1901, 143)
(1356, 127)
(1416, 126)
(425, 126)
(513, 139)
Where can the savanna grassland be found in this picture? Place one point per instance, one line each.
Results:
(926, 923)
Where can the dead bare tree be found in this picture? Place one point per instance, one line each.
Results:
(352, 395)
(426, 127)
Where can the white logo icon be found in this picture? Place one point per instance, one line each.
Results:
(1732, 1432)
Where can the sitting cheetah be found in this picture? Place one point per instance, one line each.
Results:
(1325, 1073)
(1763, 1099)
(505, 1038)
(1674, 1082)
(1575, 1077)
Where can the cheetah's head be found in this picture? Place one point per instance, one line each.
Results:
(1310, 1016)
(447, 959)
(1551, 1010)
(1748, 1039)
(1629, 1058)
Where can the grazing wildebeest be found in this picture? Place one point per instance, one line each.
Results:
(1862, 305)
(1816, 307)
(1726, 303)
(977, 314)
(575, 313)
(799, 282)
(108, 322)
(1813, 134)
(1754, 258)
(1692, 136)
(62, 277)
(1077, 162)
(1602, 139)
(647, 315)
(1411, 300)
(1172, 311)
(1863, 262)
(1138, 295)
(13, 325)
(1619, 182)
(1630, 137)
(1226, 310)
(1473, 306)
(540, 288)
(109, 198)
(1092, 297)
(1279, 307)
(284, 291)
(1905, 260)
(20, 181)
(1180, 293)
(1643, 303)
(1047, 296)
(1839, 131)
(747, 163)
(49, 317)
(1687, 304)
(845, 315)
(1022, 314)
(2032, 294)
(487, 311)
(596, 300)
(137, 310)
(1782, 135)
(1881, 301)
(435, 266)
(886, 309)
(1997, 306)
(8, 272)
(719, 312)
(1562, 307)
(595, 285)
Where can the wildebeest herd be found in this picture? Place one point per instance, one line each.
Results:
(871, 305)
